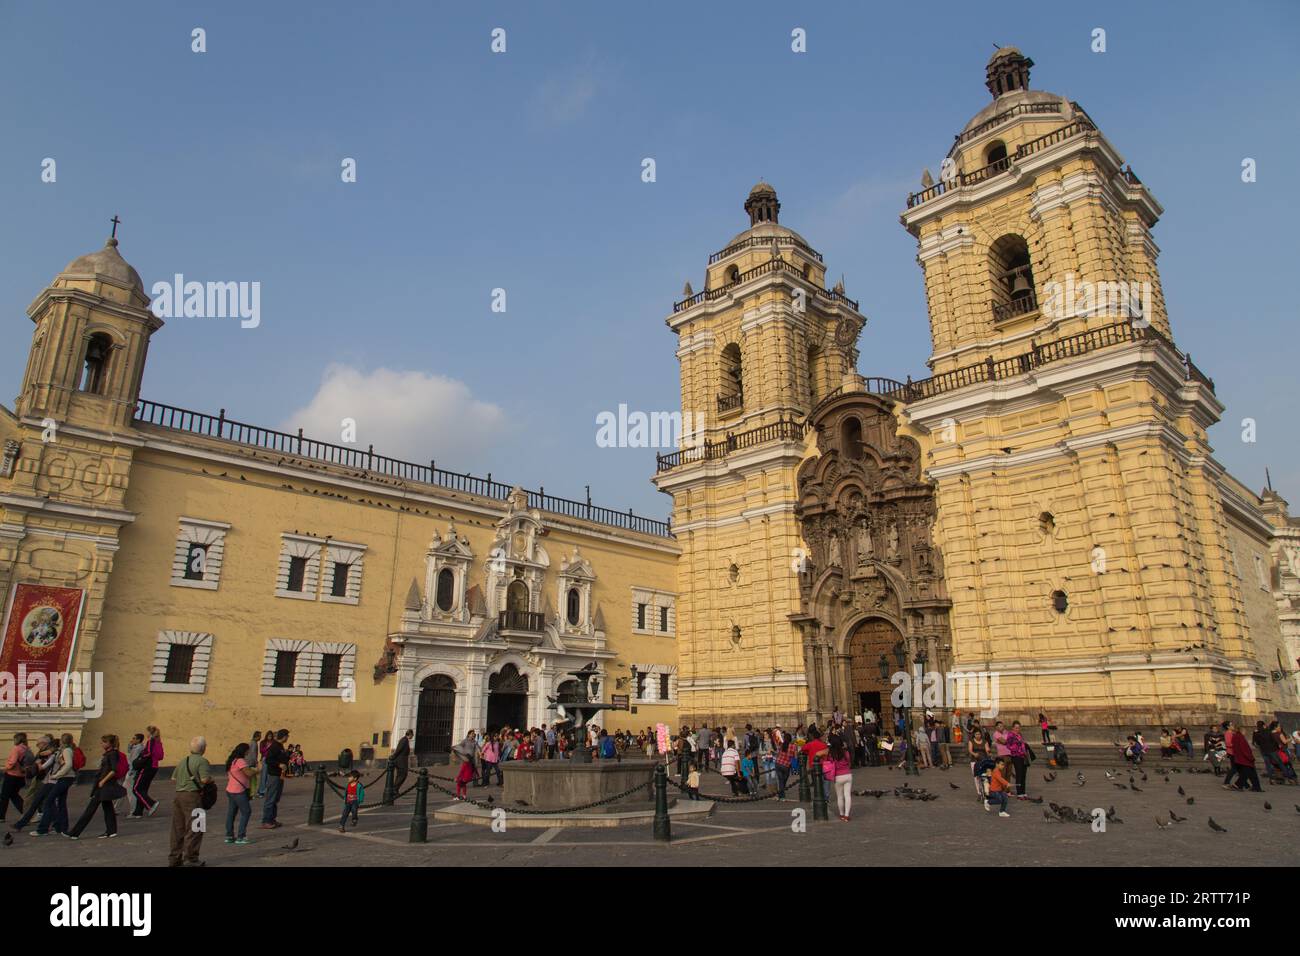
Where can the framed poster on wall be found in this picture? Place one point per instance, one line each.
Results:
(40, 629)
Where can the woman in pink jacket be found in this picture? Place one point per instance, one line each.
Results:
(148, 762)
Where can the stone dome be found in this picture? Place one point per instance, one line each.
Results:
(106, 262)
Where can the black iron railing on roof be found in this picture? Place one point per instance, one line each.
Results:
(367, 462)
(781, 430)
(772, 265)
(990, 370)
(1021, 110)
(1080, 125)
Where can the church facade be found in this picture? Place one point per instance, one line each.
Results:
(1042, 516)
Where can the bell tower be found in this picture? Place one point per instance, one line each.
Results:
(69, 446)
(93, 326)
(758, 348)
(1079, 506)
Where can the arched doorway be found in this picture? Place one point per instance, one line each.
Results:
(871, 639)
(507, 699)
(435, 716)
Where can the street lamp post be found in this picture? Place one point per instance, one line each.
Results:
(900, 656)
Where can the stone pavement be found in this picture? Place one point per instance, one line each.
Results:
(953, 830)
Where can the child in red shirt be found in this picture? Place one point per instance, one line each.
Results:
(354, 794)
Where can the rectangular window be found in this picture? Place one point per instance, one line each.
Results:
(196, 562)
(286, 666)
(339, 586)
(640, 684)
(297, 574)
(180, 664)
(663, 687)
(329, 670)
(640, 617)
(663, 619)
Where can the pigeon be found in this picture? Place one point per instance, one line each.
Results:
(1267, 805)
(1176, 818)
(1144, 777)
(1216, 828)
(1040, 800)
(1080, 779)
(1047, 815)
(522, 803)
(1111, 775)
(491, 799)
(1119, 786)
(9, 839)
(1182, 792)
(1190, 801)
(291, 846)
(953, 785)
(1134, 788)
(1162, 824)
(1049, 777)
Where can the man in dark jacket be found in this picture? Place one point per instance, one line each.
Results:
(401, 759)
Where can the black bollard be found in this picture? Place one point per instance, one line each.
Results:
(420, 819)
(316, 812)
(805, 792)
(820, 811)
(663, 830)
(390, 791)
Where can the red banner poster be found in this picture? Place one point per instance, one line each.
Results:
(41, 629)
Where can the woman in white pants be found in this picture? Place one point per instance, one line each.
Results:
(839, 769)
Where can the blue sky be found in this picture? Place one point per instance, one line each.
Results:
(522, 171)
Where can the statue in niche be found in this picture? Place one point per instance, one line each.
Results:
(835, 560)
(892, 552)
(864, 544)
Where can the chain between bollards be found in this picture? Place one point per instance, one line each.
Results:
(420, 818)
(662, 828)
(820, 810)
(316, 812)
(390, 789)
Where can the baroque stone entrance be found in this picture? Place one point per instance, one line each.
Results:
(872, 576)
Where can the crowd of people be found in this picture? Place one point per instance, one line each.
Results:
(1229, 752)
(39, 776)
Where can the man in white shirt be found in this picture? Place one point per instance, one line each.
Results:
(729, 767)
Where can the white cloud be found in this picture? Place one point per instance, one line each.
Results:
(409, 415)
(564, 98)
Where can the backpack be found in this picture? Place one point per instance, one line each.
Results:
(123, 768)
(78, 758)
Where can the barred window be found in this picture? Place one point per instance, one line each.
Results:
(180, 664)
(663, 687)
(663, 619)
(196, 561)
(286, 666)
(297, 573)
(640, 617)
(339, 584)
(329, 670)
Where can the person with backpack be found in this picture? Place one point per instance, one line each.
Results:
(106, 790)
(62, 775)
(38, 786)
(147, 764)
(193, 777)
(15, 777)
